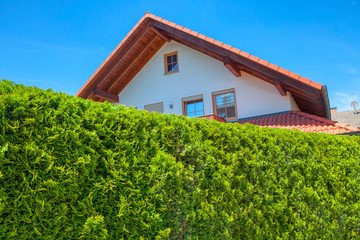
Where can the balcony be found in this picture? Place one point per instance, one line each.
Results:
(213, 117)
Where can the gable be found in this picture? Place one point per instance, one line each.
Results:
(152, 32)
(202, 75)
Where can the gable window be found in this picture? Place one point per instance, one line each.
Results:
(155, 107)
(171, 62)
(224, 104)
(193, 106)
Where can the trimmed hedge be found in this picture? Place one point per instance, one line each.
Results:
(76, 169)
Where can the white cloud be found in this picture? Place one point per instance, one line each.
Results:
(349, 69)
(43, 45)
(342, 101)
(352, 70)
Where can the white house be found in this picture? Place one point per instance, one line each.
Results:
(198, 85)
(161, 66)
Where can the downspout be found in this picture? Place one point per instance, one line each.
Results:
(325, 101)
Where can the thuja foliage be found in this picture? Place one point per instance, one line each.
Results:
(76, 169)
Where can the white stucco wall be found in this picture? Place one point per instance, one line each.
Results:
(293, 104)
(199, 74)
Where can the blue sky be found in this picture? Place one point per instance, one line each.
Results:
(59, 44)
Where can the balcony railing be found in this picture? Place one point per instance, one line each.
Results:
(213, 117)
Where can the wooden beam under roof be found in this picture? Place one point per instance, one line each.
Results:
(160, 34)
(119, 58)
(146, 47)
(105, 95)
(229, 64)
(295, 86)
(279, 87)
(219, 51)
(117, 88)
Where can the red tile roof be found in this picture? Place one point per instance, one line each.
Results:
(302, 121)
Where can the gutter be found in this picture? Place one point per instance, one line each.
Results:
(356, 133)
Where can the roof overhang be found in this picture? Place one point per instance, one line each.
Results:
(152, 32)
(355, 133)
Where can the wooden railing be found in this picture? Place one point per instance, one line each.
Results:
(213, 117)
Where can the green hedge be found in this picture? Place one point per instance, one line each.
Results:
(76, 169)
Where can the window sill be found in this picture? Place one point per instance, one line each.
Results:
(167, 73)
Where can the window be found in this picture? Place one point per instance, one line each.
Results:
(224, 104)
(171, 62)
(155, 107)
(193, 106)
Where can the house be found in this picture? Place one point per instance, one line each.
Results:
(350, 117)
(161, 66)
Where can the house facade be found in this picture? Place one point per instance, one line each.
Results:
(161, 66)
(199, 86)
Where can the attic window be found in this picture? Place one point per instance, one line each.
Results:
(171, 62)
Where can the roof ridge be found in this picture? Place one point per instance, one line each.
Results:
(317, 118)
(262, 116)
(346, 126)
(324, 120)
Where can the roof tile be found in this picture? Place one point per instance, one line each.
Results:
(211, 40)
(350, 117)
(316, 85)
(299, 120)
(341, 125)
(284, 71)
(218, 43)
(273, 66)
(305, 80)
(235, 50)
(194, 33)
(186, 30)
(227, 47)
(245, 54)
(263, 62)
(179, 27)
(157, 18)
(294, 75)
(171, 24)
(202, 36)
(254, 58)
